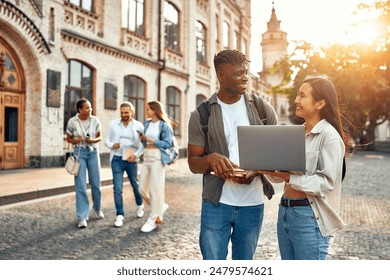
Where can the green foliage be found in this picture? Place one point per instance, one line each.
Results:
(361, 74)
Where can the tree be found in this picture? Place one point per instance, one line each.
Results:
(363, 86)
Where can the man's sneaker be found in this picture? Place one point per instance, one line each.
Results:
(149, 225)
(140, 211)
(98, 215)
(82, 223)
(119, 221)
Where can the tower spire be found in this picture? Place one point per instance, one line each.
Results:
(274, 23)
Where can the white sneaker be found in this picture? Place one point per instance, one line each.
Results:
(140, 211)
(82, 223)
(165, 207)
(119, 221)
(98, 215)
(149, 225)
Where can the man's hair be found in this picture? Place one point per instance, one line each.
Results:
(128, 104)
(232, 57)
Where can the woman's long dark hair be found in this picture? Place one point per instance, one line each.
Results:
(324, 89)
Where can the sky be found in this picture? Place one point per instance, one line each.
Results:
(319, 22)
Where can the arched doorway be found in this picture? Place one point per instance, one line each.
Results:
(12, 98)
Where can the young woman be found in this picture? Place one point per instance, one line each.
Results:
(156, 138)
(308, 211)
(83, 131)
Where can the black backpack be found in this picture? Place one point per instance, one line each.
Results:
(204, 112)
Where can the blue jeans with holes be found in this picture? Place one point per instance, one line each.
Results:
(118, 167)
(88, 161)
(219, 224)
(299, 236)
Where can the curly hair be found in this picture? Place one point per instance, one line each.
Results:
(232, 57)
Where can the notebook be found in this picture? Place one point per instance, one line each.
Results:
(272, 147)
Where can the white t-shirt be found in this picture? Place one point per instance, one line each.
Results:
(238, 194)
(153, 130)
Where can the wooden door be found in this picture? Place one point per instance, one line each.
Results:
(11, 130)
(12, 100)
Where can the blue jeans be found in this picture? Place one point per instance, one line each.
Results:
(118, 167)
(219, 224)
(91, 161)
(299, 236)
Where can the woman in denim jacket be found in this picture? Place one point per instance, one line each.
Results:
(157, 137)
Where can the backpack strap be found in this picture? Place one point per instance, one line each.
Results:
(204, 112)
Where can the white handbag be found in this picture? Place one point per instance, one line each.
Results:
(72, 164)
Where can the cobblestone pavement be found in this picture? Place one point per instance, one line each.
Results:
(46, 229)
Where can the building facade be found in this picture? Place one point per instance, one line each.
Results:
(54, 52)
(274, 45)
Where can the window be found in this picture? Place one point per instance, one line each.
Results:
(235, 41)
(225, 34)
(11, 124)
(173, 106)
(133, 15)
(52, 27)
(217, 28)
(79, 85)
(171, 24)
(134, 91)
(85, 4)
(243, 46)
(199, 99)
(200, 34)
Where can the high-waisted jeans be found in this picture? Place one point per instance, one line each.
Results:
(299, 235)
(88, 161)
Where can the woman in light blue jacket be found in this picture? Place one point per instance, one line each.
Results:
(157, 137)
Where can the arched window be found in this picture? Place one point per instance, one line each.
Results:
(79, 85)
(171, 24)
(200, 33)
(200, 98)
(225, 34)
(133, 15)
(134, 91)
(85, 4)
(235, 40)
(173, 106)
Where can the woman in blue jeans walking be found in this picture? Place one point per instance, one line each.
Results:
(308, 211)
(83, 131)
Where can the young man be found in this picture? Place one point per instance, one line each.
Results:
(122, 137)
(232, 206)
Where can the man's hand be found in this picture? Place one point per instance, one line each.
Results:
(132, 158)
(221, 165)
(116, 146)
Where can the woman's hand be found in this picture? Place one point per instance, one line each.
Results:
(77, 140)
(284, 175)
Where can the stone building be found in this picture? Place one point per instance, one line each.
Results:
(53, 52)
(274, 48)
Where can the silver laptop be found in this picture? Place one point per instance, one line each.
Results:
(272, 147)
